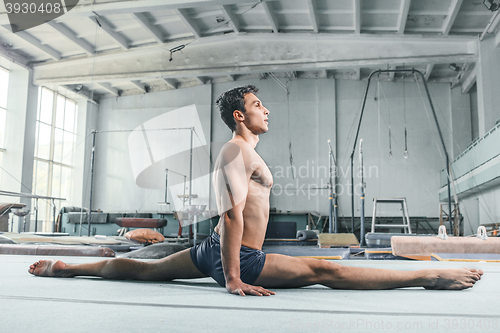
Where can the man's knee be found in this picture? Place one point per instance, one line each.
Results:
(324, 270)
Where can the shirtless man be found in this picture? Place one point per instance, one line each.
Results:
(232, 254)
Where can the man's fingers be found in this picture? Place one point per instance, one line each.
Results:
(265, 291)
(259, 291)
(238, 292)
(254, 292)
(246, 289)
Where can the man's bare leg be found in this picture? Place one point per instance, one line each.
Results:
(287, 272)
(176, 266)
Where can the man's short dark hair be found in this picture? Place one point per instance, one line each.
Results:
(232, 100)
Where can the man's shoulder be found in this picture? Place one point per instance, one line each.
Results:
(236, 151)
(234, 148)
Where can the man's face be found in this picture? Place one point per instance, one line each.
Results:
(255, 114)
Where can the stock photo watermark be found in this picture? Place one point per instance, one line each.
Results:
(311, 180)
(438, 324)
(26, 14)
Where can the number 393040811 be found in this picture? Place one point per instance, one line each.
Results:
(34, 8)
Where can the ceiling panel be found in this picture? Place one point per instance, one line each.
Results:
(379, 18)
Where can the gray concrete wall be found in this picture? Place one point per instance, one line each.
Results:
(417, 177)
(115, 187)
(487, 85)
(296, 148)
(486, 113)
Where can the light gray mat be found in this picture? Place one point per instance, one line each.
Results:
(29, 303)
(155, 251)
(66, 240)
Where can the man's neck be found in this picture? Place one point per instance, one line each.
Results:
(245, 134)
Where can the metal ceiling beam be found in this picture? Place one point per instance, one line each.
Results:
(492, 25)
(140, 86)
(89, 49)
(36, 43)
(403, 15)
(231, 77)
(452, 15)
(114, 7)
(236, 55)
(201, 80)
(8, 53)
(189, 22)
(149, 27)
(233, 20)
(171, 83)
(271, 17)
(357, 16)
(84, 92)
(107, 87)
(110, 32)
(497, 38)
(428, 71)
(469, 80)
(311, 4)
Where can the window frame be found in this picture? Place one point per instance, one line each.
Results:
(53, 164)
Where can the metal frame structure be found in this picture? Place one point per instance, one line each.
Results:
(36, 197)
(413, 71)
(92, 161)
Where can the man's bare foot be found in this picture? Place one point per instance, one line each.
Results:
(456, 279)
(52, 268)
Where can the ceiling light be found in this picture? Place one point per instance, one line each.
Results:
(491, 5)
(454, 67)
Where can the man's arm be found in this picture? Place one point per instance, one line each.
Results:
(231, 186)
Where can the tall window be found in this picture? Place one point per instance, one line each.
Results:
(55, 143)
(4, 86)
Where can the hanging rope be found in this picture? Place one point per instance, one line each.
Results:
(290, 154)
(389, 119)
(404, 115)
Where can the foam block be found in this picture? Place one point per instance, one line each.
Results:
(328, 240)
(425, 246)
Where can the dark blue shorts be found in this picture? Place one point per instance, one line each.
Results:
(206, 257)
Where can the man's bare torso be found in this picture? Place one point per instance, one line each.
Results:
(255, 195)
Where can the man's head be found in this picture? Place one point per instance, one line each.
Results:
(231, 101)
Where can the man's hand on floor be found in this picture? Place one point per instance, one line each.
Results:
(237, 287)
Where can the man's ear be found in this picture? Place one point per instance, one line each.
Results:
(238, 115)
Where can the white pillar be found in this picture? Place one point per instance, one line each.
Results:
(86, 123)
(488, 99)
(19, 137)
